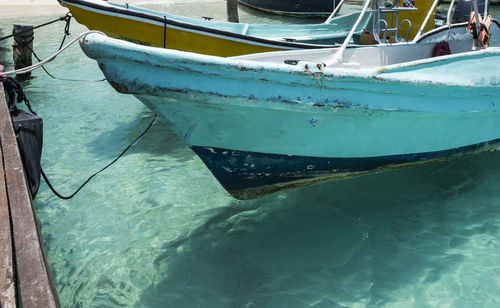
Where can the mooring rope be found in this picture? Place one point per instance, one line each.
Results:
(65, 18)
(52, 57)
(96, 173)
(59, 78)
(14, 90)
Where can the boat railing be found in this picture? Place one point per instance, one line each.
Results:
(378, 30)
(448, 15)
(382, 12)
(401, 27)
(338, 56)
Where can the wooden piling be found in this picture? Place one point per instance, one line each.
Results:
(33, 274)
(22, 47)
(232, 11)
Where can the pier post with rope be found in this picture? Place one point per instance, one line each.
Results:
(22, 47)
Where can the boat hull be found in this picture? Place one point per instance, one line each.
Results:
(260, 127)
(253, 150)
(208, 37)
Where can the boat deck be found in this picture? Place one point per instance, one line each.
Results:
(25, 275)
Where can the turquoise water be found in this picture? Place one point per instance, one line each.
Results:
(157, 230)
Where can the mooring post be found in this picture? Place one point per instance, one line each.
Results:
(22, 47)
(232, 11)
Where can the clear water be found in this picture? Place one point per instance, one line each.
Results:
(157, 230)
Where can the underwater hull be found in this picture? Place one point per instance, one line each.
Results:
(264, 127)
(247, 175)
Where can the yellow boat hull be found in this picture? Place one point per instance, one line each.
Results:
(160, 36)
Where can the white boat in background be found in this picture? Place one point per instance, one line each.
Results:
(271, 121)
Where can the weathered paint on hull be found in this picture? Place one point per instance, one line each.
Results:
(253, 151)
(293, 7)
(247, 175)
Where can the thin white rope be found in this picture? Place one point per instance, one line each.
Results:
(40, 64)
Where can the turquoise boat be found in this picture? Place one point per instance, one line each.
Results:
(271, 121)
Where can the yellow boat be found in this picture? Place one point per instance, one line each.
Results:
(224, 39)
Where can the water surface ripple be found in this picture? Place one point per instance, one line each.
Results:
(157, 230)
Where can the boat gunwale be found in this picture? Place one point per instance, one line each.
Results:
(153, 55)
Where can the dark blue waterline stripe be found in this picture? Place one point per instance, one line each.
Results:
(240, 170)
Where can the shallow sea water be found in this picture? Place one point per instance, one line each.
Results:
(157, 230)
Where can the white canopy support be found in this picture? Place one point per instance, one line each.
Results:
(337, 58)
(335, 10)
(421, 30)
(448, 16)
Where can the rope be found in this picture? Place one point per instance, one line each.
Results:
(66, 29)
(67, 16)
(164, 31)
(93, 175)
(59, 78)
(14, 90)
(52, 57)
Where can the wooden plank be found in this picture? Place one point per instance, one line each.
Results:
(7, 281)
(33, 271)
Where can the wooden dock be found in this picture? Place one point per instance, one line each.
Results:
(25, 276)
